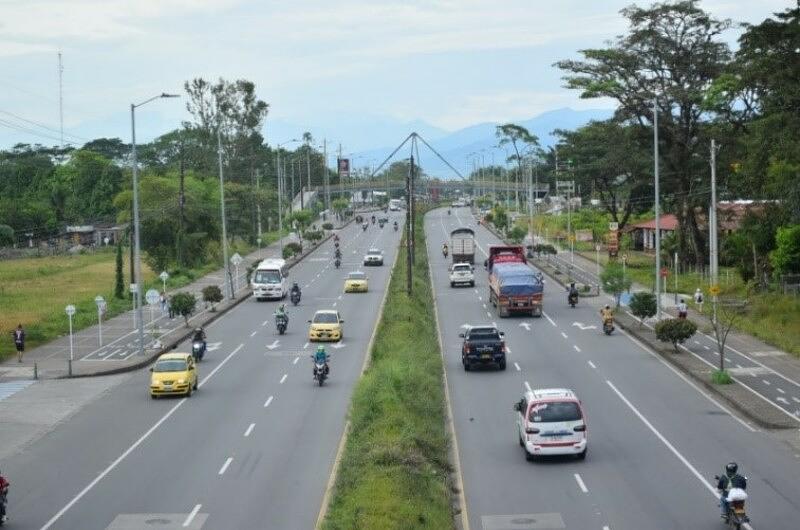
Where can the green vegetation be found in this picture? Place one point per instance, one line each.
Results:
(721, 377)
(290, 249)
(183, 304)
(394, 471)
(675, 331)
(614, 281)
(212, 294)
(643, 305)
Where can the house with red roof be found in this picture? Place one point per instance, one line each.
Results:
(644, 233)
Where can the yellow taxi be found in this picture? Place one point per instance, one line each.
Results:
(356, 282)
(325, 326)
(173, 373)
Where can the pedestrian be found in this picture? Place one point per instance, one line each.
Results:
(163, 302)
(19, 341)
(171, 309)
(698, 299)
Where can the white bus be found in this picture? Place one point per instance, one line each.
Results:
(270, 280)
(394, 205)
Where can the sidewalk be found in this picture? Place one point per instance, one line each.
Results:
(120, 348)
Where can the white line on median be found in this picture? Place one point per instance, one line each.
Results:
(265, 323)
(249, 430)
(295, 360)
(225, 465)
(253, 334)
(592, 364)
(192, 514)
(268, 401)
(283, 378)
(517, 367)
(780, 390)
(581, 485)
(305, 345)
(765, 382)
(576, 348)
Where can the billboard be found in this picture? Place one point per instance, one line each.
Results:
(344, 167)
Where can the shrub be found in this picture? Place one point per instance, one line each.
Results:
(183, 304)
(721, 377)
(327, 226)
(614, 281)
(675, 331)
(6, 235)
(517, 234)
(313, 235)
(489, 217)
(643, 305)
(786, 256)
(290, 249)
(212, 294)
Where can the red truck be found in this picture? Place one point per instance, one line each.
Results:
(514, 287)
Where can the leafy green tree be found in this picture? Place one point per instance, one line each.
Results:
(643, 305)
(119, 279)
(212, 294)
(517, 234)
(521, 141)
(301, 219)
(6, 235)
(675, 331)
(786, 256)
(183, 304)
(614, 280)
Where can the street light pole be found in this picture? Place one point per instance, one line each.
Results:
(228, 282)
(657, 205)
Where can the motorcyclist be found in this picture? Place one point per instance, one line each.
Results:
(607, 314)
(321, 357)
(373, 219)
(731, 479)
(683, 310)
(281, 313)
(572, 292)
(4, 484)
(296, 290)
(338, 254)
(336, 237)
(448, 211)
(200, 336)
(444, 249)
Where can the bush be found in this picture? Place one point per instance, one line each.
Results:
(183, 304)
(643, 305)
(327, 226)
(517, 234)
(614, 281)
(721, 377)
(313, 235)
(675, 331)
(6, 235)
(489, 217)
(212, 294)
(290, 249)
(786, 256)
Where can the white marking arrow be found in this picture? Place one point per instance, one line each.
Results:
(782, 400)
(338, 345)
(273, 345)
(465, 326)
(211, 346)
(525, 325)
(582, 326)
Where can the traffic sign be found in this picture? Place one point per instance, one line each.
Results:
(664, 272)
(70, 310)
(572, 238)
(714, 290)
(152, 296)
(164, 276)
(134, 288)
(236, 259)
(613, 226)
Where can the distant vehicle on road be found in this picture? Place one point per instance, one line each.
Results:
(551, 421)
(461, 274)
(462, 245)
(514, 287)
(483, 345)
(356, 282)
(270, 280)
(173, 373)
(325, 326)
(374, 256)
(395, 204)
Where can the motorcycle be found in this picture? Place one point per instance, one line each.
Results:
(736, 515)
(395, 227)
(364, 227)
(198, 349)
(337, 263)
(320, 372)
(336, 244)
(281, 321)
(608, 326)
(373, 219)
(295, 297)
(572, 299)
(444, 252)
(448, 212)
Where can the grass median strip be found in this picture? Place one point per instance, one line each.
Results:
(394, 471)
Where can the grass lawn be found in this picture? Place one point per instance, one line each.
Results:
(394, 469)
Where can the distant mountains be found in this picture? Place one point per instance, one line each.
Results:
(456, 146)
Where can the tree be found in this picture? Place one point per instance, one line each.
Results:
(614, 280)
(183, 304)
(6, 235)
(675, 331)
(301, 219)
(643, 305)
(212, 294)
(672, 53)
(517, 234)
(521, 141)
(340, 205)
(786, 256)
(119, 279)
(727, 313)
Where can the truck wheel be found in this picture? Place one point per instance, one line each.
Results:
(503, 364)
(467, 367)
(452, 284)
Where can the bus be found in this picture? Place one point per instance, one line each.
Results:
(394, 205)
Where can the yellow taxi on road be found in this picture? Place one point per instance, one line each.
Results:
(325, 326)
(173, 373)
(356, 282)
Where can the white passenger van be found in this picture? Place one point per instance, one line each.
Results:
(270, 280)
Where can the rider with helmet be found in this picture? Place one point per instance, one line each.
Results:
(200, 336)
(321, 357)
(607, 314)
(731, 479)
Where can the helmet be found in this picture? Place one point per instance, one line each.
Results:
(198, 330)
(731, 468)
(608, 306)
(320, 349)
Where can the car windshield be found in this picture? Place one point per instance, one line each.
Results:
(483, 334)
(170, 365)
(462, 268)
(357, 276)
(325, 318)
(555, 411)
(374, 251)
(267, 277)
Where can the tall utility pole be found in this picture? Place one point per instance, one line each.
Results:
(258, 201)
(712, 226)
(326, 176)
(61, 98)
(228, 283)
(292, 188)
(657, 206)
(308, 165)
(280, 198)
(409, 227)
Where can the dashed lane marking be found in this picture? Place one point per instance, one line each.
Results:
(192, 515)
(517, 367)
(576, 348)
(249, 430)
(225, 465)
(581, 485)
(592, 364)
(268, 401)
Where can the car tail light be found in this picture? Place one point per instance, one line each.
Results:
(502, 347)
(531, 430)
(580, 428)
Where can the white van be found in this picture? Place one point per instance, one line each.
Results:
(269, 280)
(551, 421)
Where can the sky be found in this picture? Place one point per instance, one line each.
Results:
(340, 69)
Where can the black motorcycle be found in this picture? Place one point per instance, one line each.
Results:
(364, 227)
(320, 371)
(337, 263)
(395, 227)
(198, 349)
(281, 322)
(295, 297)
(608, 326)
(572, 299)
(736, 515)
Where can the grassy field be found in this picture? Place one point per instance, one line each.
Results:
(394, 470)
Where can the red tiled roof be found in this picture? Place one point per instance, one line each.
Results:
(666, 222)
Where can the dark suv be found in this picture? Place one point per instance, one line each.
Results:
(483, 345)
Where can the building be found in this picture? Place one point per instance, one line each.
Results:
(644, 233)
(96, 235)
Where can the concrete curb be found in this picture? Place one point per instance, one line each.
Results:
(173, 342)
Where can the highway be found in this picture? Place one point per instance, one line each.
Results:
(655, 439)
(252, 448)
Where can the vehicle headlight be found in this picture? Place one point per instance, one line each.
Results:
(181, 381)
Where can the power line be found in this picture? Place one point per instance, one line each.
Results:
(21, 128)
(43, 126)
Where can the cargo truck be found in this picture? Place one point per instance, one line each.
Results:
(514, 286)
(462, 245)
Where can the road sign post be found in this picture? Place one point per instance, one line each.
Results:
(70, 310)
(152, 297)
(164, 277)
(101, 307)
(134, 288)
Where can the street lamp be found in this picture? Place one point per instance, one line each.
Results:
(70, 310)
(137, 257)
(657, 205)
(280, 192)
(101, 306)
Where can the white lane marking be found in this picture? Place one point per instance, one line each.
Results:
(795, 399)
(549, 319)
(706, 347)
(576, 348)
(295, 360)
(739, 365)
(340, 297)
(249, 430)
(225, 465)
(480, 298)
(666, 442)
(564, 335)
(765, 382)
(780, 390)
(697, 342)
(267, 321)
(528, 387)
(220, 365)
(476, 291)
(484, 306)
(517, 367)
(334, 304)
(253, 334)
(782, 400)
(192, 515)
(305, 346)
(488, 314)
(606, 528)
(592, 364)
(284, 378)
(268, 401)
(581, 485)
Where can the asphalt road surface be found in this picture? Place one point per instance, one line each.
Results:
(655, 440)
(253, 448)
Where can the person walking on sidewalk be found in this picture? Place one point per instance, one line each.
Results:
(19, 341)
(163, 302)
(171, 309)
(698, 299)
